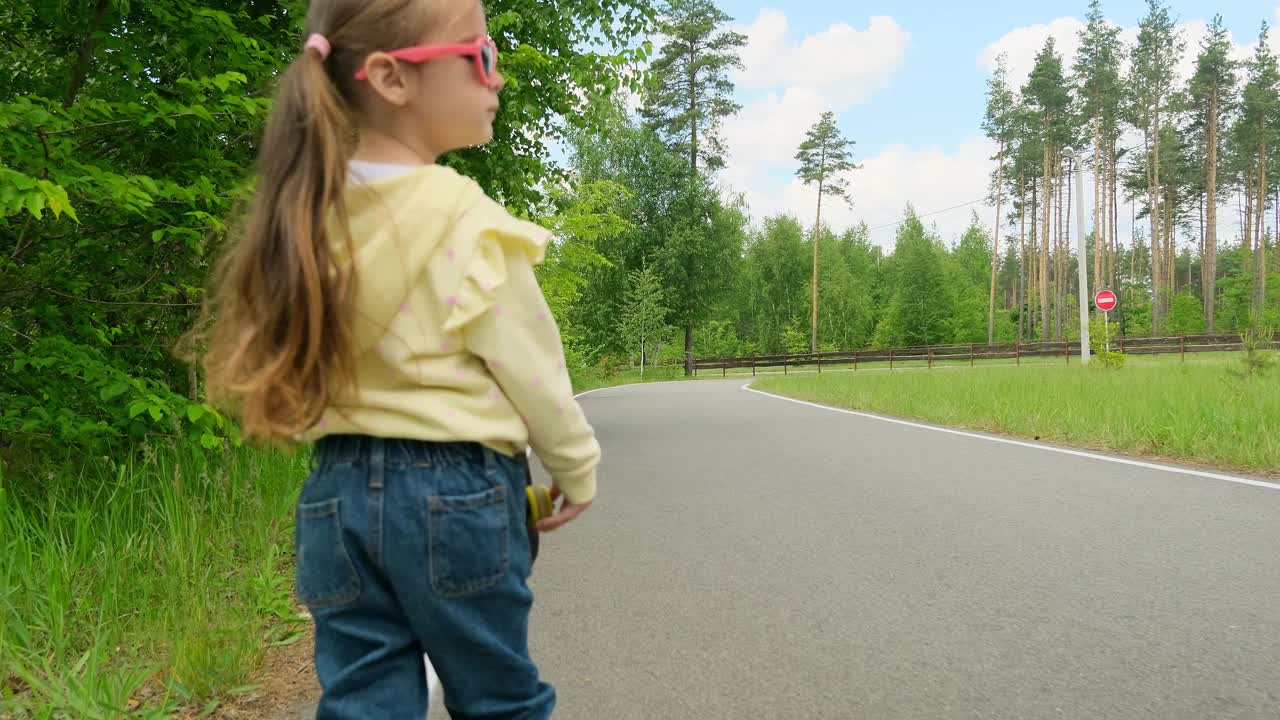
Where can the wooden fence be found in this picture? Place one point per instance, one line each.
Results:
(972, 353)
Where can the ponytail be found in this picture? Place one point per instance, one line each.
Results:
(279, 336)
(277, 322)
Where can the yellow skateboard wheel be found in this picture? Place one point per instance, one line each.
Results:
(539, 503)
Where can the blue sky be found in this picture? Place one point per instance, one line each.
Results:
(907, 83)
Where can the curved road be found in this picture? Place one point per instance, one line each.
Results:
(754, 558)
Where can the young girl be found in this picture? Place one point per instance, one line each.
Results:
(381, 306)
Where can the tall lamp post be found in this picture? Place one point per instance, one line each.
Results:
(1070, 155)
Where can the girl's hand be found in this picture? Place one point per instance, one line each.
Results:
(568, 511)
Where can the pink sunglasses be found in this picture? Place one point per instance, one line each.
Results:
(483, 51)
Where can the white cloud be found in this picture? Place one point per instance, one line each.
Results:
(928, 177)
(842, 63)
(1024, 43)
(770, 129)
(788, 84)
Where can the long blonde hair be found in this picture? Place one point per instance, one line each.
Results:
(276, 326)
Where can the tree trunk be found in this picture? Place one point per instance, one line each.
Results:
(1064, 249)
(1240, 215)
(80, 71)
(1191, 261)
(995, 250)
(693, 115)
(1260, 256)
(642, 358)
(1259, 205)
(1248, 212)
(1033, 262)
(1115, 212)
(1170, 256)
(1153, 202)
(1021, 299)
(688, 350)
(1044, 244)
(1059, 278)
(1202, 253)
(1208, 269)
(1165, 260)
(1098, 253)
(693, 166)
(817, 238)
(1052, 331)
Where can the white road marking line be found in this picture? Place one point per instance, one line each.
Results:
(627, 385)
(1026, 444)
(433, 681)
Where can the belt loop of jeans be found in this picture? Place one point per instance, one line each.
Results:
(377, 462)
(490, 461)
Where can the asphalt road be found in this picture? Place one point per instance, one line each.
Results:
(753, 558)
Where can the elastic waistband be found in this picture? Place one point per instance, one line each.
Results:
(361, 449)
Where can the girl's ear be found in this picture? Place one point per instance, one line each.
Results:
(386, 79)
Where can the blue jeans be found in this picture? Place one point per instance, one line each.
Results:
(407, 547)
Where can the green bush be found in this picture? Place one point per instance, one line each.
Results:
(1100, 330)
(73, 398)
(1258, 358)
(1186, 315)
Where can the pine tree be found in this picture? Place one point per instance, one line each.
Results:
(1050, 101)
(1097, 73)
(688, 97)
(999, 124)
(690, 93)
(1255, 139)
(824, 158)
(1212, 90)
(1027, 167)
(1153, 60)
(920, 310)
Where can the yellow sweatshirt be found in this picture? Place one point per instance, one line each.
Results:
(453, 338)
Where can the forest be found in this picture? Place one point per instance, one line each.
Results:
(126, 157)
(128, 133)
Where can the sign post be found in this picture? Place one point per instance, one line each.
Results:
(1106, 301)
(1081, 262)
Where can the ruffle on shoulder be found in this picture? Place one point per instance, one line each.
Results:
(483, 237)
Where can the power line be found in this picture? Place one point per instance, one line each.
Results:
(935, 212)
(1120, 150)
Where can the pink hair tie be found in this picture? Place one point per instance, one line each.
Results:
(317, 42)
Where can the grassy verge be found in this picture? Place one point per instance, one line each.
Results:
(1215, 358)
(150, 585)
(665, 373)
(155, 585)
(1196, 411)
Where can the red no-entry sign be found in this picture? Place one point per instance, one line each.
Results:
(1105, 300)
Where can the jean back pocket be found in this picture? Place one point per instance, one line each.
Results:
(469, 539)
(326, 576)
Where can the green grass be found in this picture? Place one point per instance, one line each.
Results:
(156, 584)
(1218, 358)
(665, 373)
(1197, 411)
